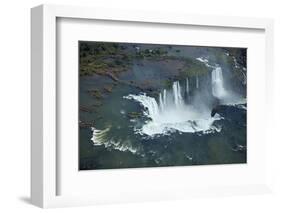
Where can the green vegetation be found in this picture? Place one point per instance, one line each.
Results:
(168, 83)
(95, 55)
(151, 53)
(194, 68)
(102, 58)
(110, 59)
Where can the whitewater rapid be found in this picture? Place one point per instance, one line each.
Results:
(172, 113)
(99, 137)
(175, 110)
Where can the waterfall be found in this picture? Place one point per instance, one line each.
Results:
(161, 102)
(172, 113)
(155, 108)
(217, 83)
(177, 93)
(149, 103)
(187, 87)
(152, 106)
(163, 99)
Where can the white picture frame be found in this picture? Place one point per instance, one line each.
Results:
(44, 154)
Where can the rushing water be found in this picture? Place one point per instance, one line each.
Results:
(172, 124)
(187, 86)
(172, 112)
(217, 83)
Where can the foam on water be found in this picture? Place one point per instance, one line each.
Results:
(173, 114)
(169, 112)
(99, 138)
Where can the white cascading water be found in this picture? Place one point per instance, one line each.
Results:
(177, 93)
(99, 137)
(163, 99)
(172, 113)
(226, 97)
(187, 86)
(217, 83)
